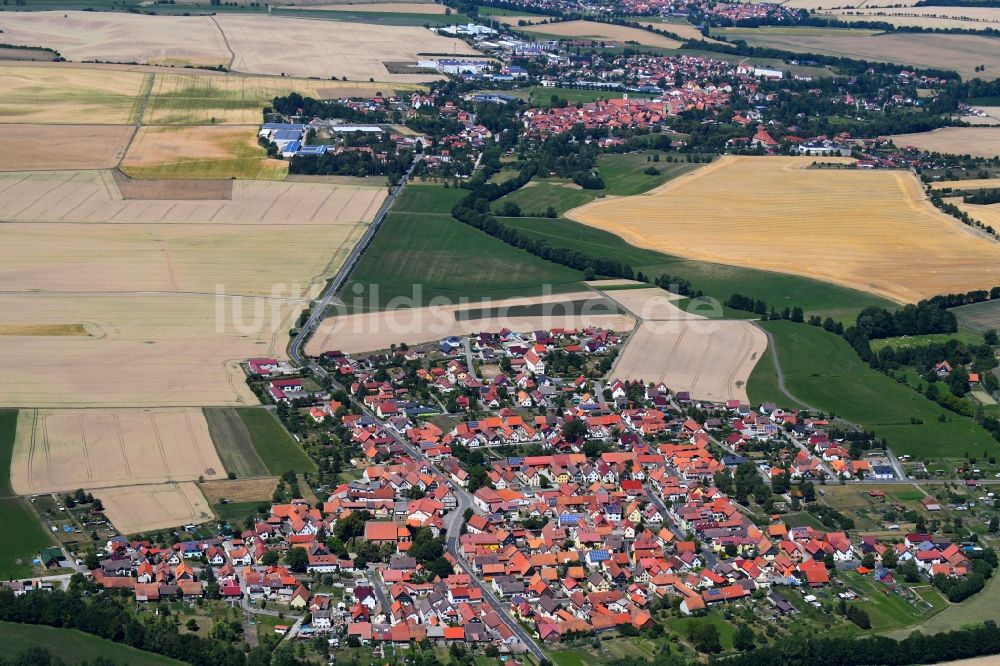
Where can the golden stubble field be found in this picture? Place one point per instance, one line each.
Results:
(134, 509)
(868, 230)
(603, 31)
(961, 53)
(256, 44)
(120, 37)
(966, 18)
(33, 147)
(65, 449)
(977, 141)
(172, 294)
(372, 331)
(710, 358)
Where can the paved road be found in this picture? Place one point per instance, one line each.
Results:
(711, 559)
(378, 586)
(320, 306)
(468, 359)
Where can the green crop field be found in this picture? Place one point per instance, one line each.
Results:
(15, 514)
(715, 280)
(276, 448)
(422, 246)
(233, 442)
(419, 198)
(71, 646)
(822, 370)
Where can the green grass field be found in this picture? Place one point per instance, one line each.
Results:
(422, 246)
(966, 336)
(72, 646)
(888, 610)
(979, 316)
(822, 370)
(623, 176)
(233, 442)
(276, 448)
(15, 514)
(979, 607)
(236, 512)
(543, 97)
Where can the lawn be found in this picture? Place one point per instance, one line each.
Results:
(822, 370)
(715, 280)
(15, 514)
(423, 251)
(71, 646)
(276, 448)
(802, 519)
(236, 512)
(232, 441)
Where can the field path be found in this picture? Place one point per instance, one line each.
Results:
(780, 375)
(225, 40)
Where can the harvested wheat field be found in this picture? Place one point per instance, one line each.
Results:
(56, 93)
(303, 47)
(45, 330)
(93, 196)
(961, 53)
(394, 7)
(121, 37)
(239, 490)
(172, 296)
(604, 31)
(200, 151)
(971, 184)
(966, 18)
(989, 214)
(43, 147)
(869, 230)
(152, 349)
(976, 141)
(61, 450)
(373, 331)
(710, 358)
(134, 509)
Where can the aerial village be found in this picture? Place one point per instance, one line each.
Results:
(556, 506)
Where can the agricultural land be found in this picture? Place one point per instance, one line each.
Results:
(803, 208)
(242, 43)
(601, 31)
(978, 141)
(961, 53)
